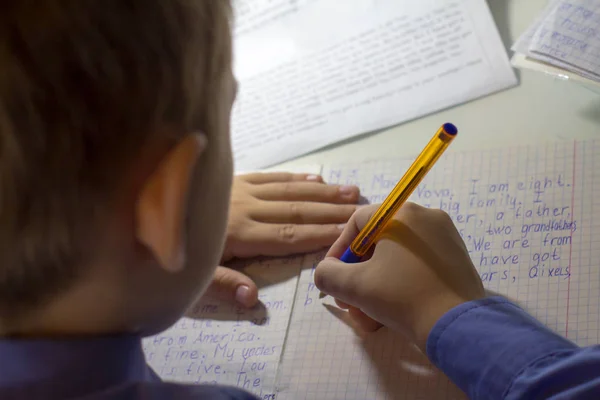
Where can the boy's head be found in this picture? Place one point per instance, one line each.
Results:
(115, 161)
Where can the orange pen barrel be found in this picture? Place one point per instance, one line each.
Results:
(405, 187)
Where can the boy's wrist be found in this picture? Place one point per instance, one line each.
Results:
(429, 313)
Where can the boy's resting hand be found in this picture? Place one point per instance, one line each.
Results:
(278, 214)
(419, 270)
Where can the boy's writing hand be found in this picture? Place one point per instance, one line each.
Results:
(418, 271)
(278, 214)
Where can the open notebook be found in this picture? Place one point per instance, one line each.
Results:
(529, 218)
(564, 41)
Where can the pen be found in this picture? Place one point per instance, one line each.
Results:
(401, 192)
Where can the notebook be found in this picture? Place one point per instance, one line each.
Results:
(313, 73)
(529, 216)
(565, 41)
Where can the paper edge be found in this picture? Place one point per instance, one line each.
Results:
(522, 61)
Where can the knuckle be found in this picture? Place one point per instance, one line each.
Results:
(330, 233)
(411, 207)
(331, 192)
(287, 233)
(221, 280)
(367, 211)
(408, 212)
(442, 215)
(295, 212)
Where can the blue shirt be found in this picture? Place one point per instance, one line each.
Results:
(490, 348)
(91, 369)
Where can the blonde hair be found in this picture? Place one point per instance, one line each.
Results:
(83, 86)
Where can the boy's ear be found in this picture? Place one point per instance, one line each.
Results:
(162, 203)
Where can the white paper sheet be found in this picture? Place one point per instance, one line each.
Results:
(566, 35)
(316, 72)
(221, 343)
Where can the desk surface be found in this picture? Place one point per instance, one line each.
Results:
(541, 108)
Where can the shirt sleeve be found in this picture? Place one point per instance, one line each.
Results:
(492, 349)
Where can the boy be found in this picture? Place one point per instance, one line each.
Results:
(115, 181)
(115, 186)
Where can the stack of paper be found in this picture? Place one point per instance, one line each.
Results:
(564, 41)
(313, 73)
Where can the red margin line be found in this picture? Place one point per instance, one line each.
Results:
(571, 245)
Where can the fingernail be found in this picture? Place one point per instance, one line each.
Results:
(347, 190)
(242, 295)
(313, 178)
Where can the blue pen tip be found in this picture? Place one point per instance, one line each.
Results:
(349, 257)
(450, 129)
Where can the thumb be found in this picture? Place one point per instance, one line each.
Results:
(340, 280)
(231, 285)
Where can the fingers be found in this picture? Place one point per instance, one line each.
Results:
(231, 285)
(340, 280)
(307, 191)
(345, 282)
(260, 178)
(358, 220)
(286, 239)
(364, 322)
(342, 305)
(282, 212)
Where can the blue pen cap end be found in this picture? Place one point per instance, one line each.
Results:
(450, 129)
(349, 257)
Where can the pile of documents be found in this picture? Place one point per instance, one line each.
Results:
(315, 72)
(564, 41)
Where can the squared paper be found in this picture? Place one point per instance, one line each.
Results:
(530, 217)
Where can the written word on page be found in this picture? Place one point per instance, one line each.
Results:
(501, 221)
(222, 343)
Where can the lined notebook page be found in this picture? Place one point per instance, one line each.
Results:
(221, 343)
(528, 216)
